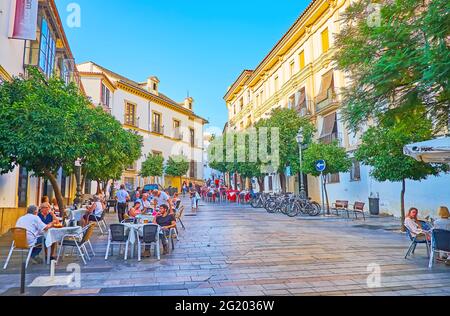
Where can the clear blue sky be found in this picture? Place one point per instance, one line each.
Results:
(191, 45)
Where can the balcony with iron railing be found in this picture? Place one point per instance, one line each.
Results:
(328, 102)
(304, 109)
(328, 139)
(177, 134)
(131, 121)
(158, 129)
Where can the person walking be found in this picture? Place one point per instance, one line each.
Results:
(122, 197)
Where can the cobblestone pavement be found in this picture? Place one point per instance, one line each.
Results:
(235, 250)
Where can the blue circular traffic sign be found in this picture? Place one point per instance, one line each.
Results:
(321, 165)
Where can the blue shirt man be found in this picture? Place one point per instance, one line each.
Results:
(122, 195)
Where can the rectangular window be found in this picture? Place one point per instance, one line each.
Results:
(325, 41)
(291, 69)
(270, 183)
(157, 126)
(176, 129)
(291, 101)
(87, 186)
(242, 125)
(248, 97)
(130, 114)
(276, 83)
(47, 50)
(301, 59)
(355, 171)
(333, 178)
(106, 94)
(192, 169)
(157, 153)
(241, 104)
(23, 187)
(257, 99)
(192, 136)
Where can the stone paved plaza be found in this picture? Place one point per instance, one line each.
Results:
(234, 250)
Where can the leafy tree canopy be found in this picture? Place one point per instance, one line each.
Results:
(177, 166)
(402, 61)
(336, 158)
(153, 166)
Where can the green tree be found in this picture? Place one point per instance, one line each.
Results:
(153, 166)
(108, 149)
(177, 166)
(336, 159)
(382, 149)
(288, 123)
(40, 126)
(403, 61)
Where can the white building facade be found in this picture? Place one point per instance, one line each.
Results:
(167, 127)
(49, 50)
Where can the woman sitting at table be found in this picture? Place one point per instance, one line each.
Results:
(94, 212)
(55, 207)
(416, 227)
(48, 217)
(135, 210)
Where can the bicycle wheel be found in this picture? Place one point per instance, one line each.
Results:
(314, 208)
(271, 207)
(292, 210)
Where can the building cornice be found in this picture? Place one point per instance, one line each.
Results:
(158, 100)
(4, 74)
(315, 10)
(100, 75)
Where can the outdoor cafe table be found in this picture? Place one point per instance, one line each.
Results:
(76, 215)
(55, 235)
(135, 230)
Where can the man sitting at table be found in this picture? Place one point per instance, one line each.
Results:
(47, 216)
(94, 212)
(35, 230)
(166, 221)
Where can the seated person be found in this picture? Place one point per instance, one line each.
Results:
(444, 221)
(55, 207)
(135, 210)
(146, 204)
(166, 221)
(35, 230)
(415, 226)
(94, 212)
(47, 216)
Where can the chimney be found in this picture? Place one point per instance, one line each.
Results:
(152, 84)
(189, 103)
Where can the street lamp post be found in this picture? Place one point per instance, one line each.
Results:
(77, 200)
(300, 140)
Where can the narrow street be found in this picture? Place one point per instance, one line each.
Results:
(235, 250)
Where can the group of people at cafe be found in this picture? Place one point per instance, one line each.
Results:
(422, 230)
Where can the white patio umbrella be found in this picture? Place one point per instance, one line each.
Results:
(432, 151)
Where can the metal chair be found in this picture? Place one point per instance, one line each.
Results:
(118, 237)
(179, 215)
(78, 241)
(20, 243)
(150, 236)
(101, 221)
(440, 241)
(414, 243)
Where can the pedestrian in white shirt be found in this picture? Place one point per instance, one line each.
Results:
(161, 198)
(35, 230)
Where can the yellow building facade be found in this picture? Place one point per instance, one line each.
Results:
(298, 73)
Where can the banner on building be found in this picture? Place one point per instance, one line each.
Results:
(24, 15)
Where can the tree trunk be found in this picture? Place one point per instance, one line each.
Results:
(59, 198)
(235, 180)
(261, 184)
(98, 186)
(283, 182)
(326, 193)
(402, 205)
